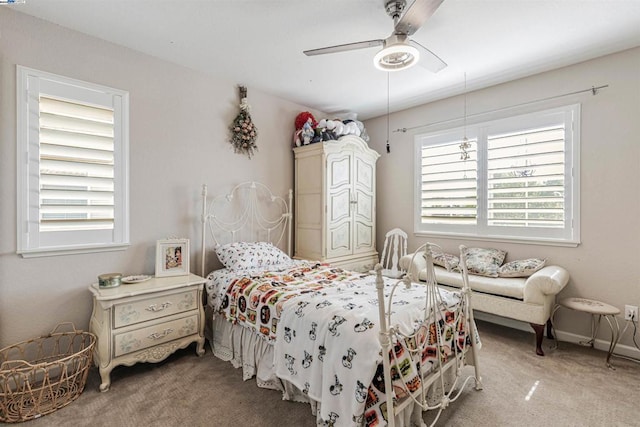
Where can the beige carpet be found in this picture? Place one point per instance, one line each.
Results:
(570, 386)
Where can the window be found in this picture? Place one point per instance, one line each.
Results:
(72, 165)
(519, 180)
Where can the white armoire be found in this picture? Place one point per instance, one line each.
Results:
(335, 203)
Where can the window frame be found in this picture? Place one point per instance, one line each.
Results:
(570, 234)
(31, 241)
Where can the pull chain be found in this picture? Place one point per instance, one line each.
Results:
(388, 146)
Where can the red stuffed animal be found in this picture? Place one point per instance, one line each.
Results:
(302, 118)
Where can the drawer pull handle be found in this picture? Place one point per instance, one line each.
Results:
(157, 336)
(155, 307)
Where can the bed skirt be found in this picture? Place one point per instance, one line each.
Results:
(246, 350)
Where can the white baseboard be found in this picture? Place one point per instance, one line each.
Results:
(622, 350)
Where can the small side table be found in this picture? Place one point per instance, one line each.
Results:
(594, 308)
(146, 322)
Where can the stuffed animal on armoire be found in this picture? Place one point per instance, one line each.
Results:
(305, 125)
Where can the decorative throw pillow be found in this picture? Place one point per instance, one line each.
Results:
(484, 262)
(521, 267)
(448, 261)
(248, 255)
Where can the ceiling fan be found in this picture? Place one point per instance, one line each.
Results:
(399, 51)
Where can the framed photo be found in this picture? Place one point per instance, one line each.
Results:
(172, 257)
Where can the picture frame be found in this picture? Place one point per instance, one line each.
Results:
(172, 257)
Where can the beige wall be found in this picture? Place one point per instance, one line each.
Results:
(178, 141)
(605, 265)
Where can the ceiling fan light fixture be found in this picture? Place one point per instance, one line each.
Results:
(396, 57)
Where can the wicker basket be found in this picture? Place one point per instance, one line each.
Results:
(44, 374)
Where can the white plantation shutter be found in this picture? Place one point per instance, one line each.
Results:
(76, 166)
(519, 182)
(449, 185)
(526, 178)
(73, 189)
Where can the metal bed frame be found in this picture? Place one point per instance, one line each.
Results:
(258, 215)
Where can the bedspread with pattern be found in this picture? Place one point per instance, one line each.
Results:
(323, 322)
(256, 300)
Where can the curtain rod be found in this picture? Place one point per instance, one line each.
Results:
(593, 89)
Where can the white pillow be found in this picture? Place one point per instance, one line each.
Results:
(484, 261)
(448, 261)
(521, 267)
(248, 255)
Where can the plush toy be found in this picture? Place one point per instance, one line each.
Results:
(364, 135)
(307, 131)
(297, 138)
(303, 118)
(334, 129)
(328, 135)
(336, 126)
(322, 124)
(317, 137)
(351, 128)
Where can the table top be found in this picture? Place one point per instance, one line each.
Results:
(589, 306)
(155, 284)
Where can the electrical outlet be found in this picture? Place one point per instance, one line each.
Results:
(630, 312)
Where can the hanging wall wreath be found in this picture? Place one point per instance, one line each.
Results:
(243, 132)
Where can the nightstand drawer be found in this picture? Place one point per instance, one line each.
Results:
(151, 336)
(154, 308)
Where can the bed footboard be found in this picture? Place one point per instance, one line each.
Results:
(443, 342)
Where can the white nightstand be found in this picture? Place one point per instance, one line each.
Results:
(146, 322)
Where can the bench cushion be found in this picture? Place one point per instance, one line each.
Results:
(512, 287)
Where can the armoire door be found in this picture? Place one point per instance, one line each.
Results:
(339, 205)
(364, 206)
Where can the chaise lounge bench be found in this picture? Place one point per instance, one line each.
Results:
(529, 299)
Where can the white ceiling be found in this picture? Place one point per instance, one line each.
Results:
(259, 43)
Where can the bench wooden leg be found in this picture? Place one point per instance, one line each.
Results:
(549, 329)
(539, 329)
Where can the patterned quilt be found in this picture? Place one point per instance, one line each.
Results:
(323, 322)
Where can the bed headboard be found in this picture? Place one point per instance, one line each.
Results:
(250, 212)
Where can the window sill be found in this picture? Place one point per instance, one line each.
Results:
(502, 239)
(35, 253)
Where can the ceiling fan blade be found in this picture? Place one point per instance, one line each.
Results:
(428, 59)
(416, 15)
(344, 47)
